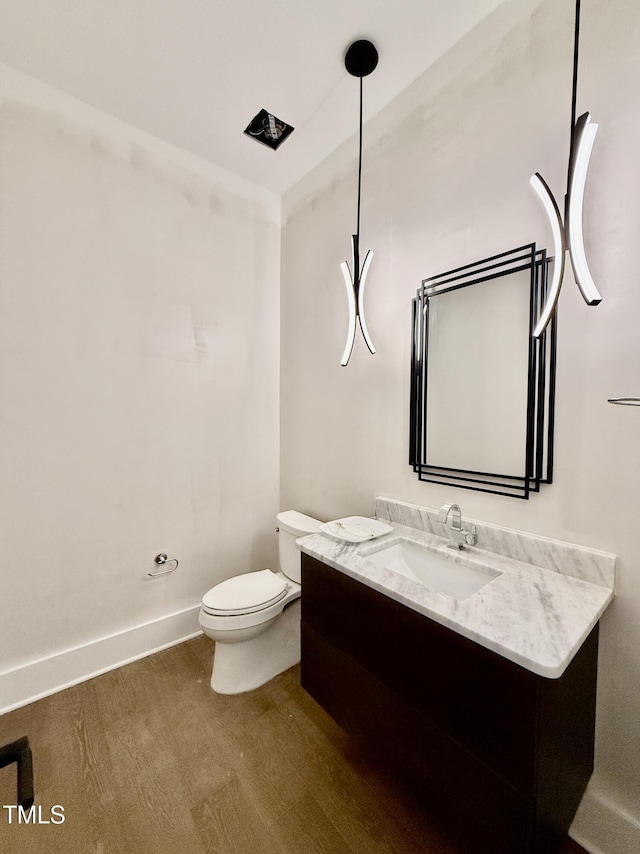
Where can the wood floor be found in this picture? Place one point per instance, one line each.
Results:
(148, 760)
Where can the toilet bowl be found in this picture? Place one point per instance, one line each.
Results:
(254, 618)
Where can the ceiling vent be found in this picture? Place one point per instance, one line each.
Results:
(268, 129)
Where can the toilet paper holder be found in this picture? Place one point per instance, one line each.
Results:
(161, 559)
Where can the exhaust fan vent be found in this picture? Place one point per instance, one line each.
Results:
(268, 129)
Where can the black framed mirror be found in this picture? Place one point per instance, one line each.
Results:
(482, 387)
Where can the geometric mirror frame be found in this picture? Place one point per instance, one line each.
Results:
(482, 387)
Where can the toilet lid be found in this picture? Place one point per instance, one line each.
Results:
(245, 594)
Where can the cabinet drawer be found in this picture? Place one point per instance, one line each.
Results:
(485, 703)
(483, 810)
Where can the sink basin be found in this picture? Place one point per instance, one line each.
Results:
(436, 571)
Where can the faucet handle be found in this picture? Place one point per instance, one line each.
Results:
(470, 535)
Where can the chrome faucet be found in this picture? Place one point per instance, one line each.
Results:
(459, 534)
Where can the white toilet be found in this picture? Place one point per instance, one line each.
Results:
(254, 618)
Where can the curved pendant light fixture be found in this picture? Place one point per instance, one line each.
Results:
(568, 237)
(360, 60)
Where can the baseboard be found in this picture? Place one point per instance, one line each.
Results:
(602, 826)
(36, 679)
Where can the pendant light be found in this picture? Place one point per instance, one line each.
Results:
(568, 237)
(360, 60)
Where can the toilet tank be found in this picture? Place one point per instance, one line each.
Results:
(291, 526)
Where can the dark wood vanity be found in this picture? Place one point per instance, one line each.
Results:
(500, 754)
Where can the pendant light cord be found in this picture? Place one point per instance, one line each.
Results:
(357, 259)
(574, 85)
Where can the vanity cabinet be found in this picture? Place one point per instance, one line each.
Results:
(500, 754)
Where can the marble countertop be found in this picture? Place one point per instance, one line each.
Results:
(535, 617)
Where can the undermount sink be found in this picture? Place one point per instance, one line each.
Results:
(436, 571)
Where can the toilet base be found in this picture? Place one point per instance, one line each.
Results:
(243, 666)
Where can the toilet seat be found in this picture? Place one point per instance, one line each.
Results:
(245, 594)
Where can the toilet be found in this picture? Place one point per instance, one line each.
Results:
(254, 618)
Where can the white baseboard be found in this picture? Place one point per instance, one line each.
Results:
(36, 679)
(603, 826)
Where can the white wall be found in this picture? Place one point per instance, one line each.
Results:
(139, 377)
(446, 169)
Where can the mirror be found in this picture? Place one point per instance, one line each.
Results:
(482, 388)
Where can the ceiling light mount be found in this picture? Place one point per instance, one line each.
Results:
(360, 60)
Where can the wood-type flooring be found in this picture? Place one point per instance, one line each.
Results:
(147, 759)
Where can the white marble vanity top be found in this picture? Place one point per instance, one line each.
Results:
(535, 617)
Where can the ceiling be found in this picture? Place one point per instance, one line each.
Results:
(195, 72)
